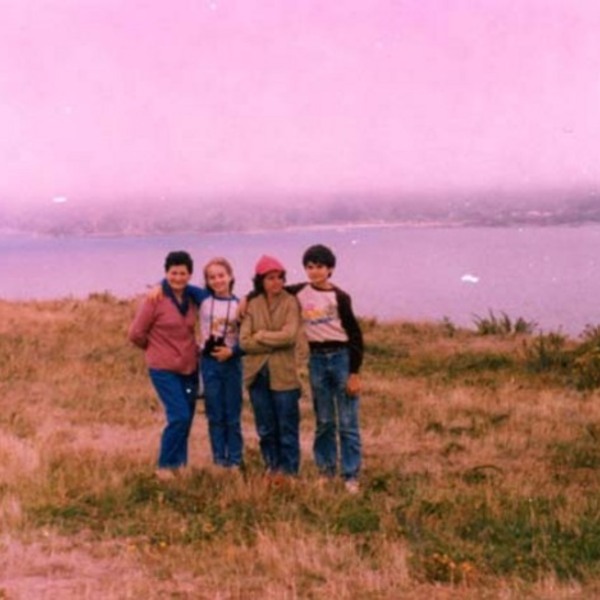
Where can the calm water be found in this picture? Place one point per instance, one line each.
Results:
(550, 275)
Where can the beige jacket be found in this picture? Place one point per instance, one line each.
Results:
(269, 334)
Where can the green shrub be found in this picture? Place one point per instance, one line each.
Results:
(585, 374)
(463, 362)
(547, 352)
(581, 452)
(503, 535)
(356, 518)
(448, 327)
(502, 325)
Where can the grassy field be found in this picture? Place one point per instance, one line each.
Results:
(481, 476)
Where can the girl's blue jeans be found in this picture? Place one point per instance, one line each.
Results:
(178, 395)
(335, 412)
(223, 403)
(277, 416)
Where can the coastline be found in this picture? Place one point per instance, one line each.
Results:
(350, 225)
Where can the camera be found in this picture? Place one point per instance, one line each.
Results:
(212, 343)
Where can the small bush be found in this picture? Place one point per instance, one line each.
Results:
(504, 535)
(448, 327)
(591, 333)
(547, 352)
(586, 360)
(356, 519)
(463, 362)
(502, 325)
(582, 452)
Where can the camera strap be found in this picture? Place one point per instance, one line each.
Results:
(212, 315)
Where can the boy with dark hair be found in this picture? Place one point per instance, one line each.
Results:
(336, 352)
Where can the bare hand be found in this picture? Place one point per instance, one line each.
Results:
(155, 293)
(242, 308)
(353, 385)
(222, 353)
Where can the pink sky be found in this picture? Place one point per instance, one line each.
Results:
(110, 98)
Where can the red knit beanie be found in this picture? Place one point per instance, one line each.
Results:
(266, 264)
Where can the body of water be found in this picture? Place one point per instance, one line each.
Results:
(548, 275)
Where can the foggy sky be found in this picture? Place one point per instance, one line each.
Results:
(106, 98)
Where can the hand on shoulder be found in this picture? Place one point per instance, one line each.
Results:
(155, 293)
(242, 308)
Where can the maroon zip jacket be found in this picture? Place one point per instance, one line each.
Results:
(167, 337)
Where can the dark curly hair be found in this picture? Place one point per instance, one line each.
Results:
(179, 258)
(319, 255)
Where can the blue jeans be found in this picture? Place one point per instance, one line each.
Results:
(334, 410)
(178, 394)
(223, 403)
(277, 417)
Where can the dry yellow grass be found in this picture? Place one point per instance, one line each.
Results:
(451, 452)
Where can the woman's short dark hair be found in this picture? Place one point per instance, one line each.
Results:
(259, 282)
(319, 255)
(179, 258)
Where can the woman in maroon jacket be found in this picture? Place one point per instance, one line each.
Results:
(166, 330)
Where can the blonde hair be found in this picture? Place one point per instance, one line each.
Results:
(218, 261)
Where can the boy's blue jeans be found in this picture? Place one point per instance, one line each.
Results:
(277, 417)
(223, 404)
(335, 411)
(178, 394)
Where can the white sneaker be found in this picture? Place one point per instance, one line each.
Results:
(163, 474)
(352, 486)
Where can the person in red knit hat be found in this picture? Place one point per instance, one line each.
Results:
(268, 336)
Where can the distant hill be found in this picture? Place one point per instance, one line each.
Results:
(139, 217)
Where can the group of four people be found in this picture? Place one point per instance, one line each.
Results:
(256, 344)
